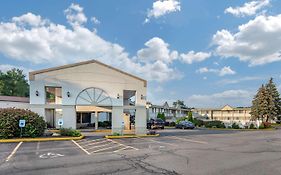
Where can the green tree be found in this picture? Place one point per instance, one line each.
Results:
(259, 104)
(189, 116)
(14, 83)
(161, 116)
(274, 100)
(179, 103)
(266, 104)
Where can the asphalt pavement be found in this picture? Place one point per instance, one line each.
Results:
(174, 152)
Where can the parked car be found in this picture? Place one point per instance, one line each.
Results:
(185, 125)
(155, 124)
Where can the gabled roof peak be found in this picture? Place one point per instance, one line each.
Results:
(32, 74)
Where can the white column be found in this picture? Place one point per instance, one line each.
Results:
(117, 119)
(140, 120)
(97, 120)
(69, 117)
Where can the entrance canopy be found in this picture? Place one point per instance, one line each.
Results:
(92, 108)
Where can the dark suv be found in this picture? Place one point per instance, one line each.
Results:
(155, 124)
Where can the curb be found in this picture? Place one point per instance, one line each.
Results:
(40, 139)
(130, 136)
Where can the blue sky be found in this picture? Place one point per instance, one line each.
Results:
(207, 53)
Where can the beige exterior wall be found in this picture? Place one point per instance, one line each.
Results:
(227, 114)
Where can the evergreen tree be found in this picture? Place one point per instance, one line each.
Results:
(266, 104)
(275, 100)
(13, 83)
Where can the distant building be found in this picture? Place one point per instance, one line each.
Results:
(226, 114)
(171, 113)
(11, 102)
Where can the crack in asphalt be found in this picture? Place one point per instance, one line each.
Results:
(146, 167)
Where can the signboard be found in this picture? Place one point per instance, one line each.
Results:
(22, 123)
(60, 122)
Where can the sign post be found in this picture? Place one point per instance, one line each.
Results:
(60, 122)
(21, 125)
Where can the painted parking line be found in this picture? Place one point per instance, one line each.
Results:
(124, 145)
(88, 140)
(80, 147)
(103, 149)
(102, 145)
(99, 146)
(188, 140)
(95, 143)
(13, 152)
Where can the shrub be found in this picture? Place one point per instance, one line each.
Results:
(69, 132)
(161, 116)
(116, 134)
(198, 122)
(214, 124)
(262, 126)
(172, 124)
(235, 126)
(9, 123)
(252, 126)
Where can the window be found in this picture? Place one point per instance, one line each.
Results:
(53, 95)
(129, 98)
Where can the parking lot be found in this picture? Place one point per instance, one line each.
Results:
(174, 152)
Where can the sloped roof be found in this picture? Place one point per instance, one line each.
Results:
(32, 74)
(14, 99)
(227, 107)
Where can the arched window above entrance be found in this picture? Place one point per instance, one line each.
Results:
(93, 97)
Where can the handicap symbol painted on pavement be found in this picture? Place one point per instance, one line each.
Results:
(50, 155)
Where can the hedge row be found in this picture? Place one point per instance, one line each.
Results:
(9, 123)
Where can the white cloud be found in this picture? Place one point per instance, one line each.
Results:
(40, 42)
(226, 70)
(74, 15)
(231, 97)
(257, 42)
(239, 80)
(248, 9)
(156, 49)
(29, 19)
(192, 57)
(95, 20)
(162, 7)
